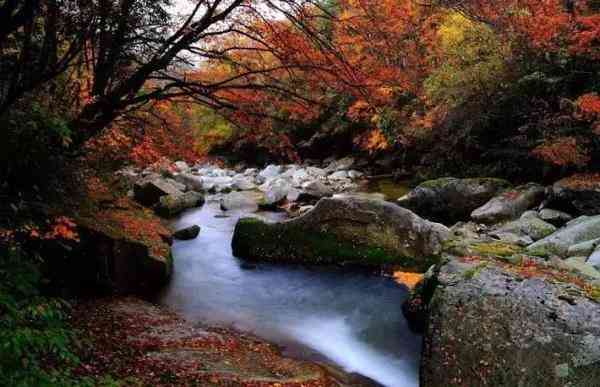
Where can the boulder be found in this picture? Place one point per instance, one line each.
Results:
(315, 190)
(270, 172)
(594, 259)
(276, 190)
(488, 323)
(555, 217)
(509, 204)
(247, 201)
(339, 175)
(173, 205)
(579, 195)
(341, 164)
(217, 184)
(191, 182)
(149, 191)
(528, 225)
(187, 233)
(181, 166)
(584, 249)
(449, 200)
(580, 265)
(243, 183)
(579, 230)
(344, 231)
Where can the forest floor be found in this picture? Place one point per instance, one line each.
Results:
(142, 344)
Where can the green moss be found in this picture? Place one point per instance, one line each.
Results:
(254, 239)
(496, 249)
(594, 293)
(437, 183)
(474, 271)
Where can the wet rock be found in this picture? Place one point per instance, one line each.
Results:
(449, 200)
(149, 191)
(487, 321)
(187, 233)
(173, 205)
(579, 195)
(578, 230)
(510, 204)
(276, 190)
(344, 231)
(217, 183)
(555, 217)
(241, 201)
(243, 183)
(270, 172)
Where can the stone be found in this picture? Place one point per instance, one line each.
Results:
(149, 191)
(487, 320)
(576, 231)
(270, 172)
(315, 190)
(339, 175)
(181, 166)
(449, 200)
(191, 182)
(276, 191)
(584, 248)
(344, 231)
(594, 259)
(173, 205)
(187, 233)
(579, 195)
(341, 164)
(247, 201)
(555, 217)
(217, 184)
(529, 225)
(509, 205)
(242, 183)
(580, 265)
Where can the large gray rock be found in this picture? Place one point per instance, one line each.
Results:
(316, 189)
(449, 200)
(217, 183)
(191, 182)
(276, 190)
(270, 172)
(243, 183)
(529, 225)
(148, 191)
(579, 230)
(247, 201)
(341, 164)
(173, 205)
(510, 204)
(579, 195)
(557, 218)
(594, 259)
(344, 231)
(490, 326)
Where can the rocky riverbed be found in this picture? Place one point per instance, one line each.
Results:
(519, 266)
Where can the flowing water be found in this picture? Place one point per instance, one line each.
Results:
(348, 318)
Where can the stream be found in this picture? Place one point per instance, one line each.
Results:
(348, 318)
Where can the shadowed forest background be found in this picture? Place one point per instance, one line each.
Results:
(418, 89)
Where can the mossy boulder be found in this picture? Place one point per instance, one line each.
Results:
(148, 191)
(449, 200)
(488, 325)
(578, 230)
(344, 231)
(172, 205)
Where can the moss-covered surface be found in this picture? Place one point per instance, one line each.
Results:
(257, 240)
(495, 249)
